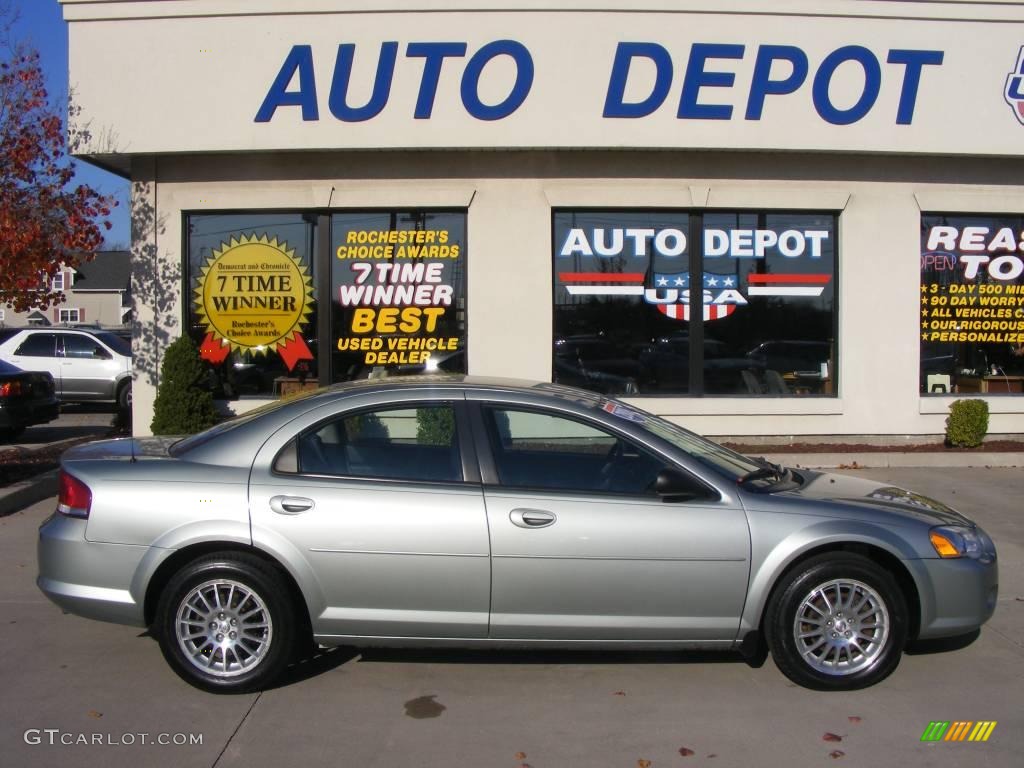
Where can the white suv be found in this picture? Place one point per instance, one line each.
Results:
(93, 366)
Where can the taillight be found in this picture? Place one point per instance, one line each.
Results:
(10, 388)
(74, 498)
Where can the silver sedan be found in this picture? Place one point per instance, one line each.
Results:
(475, 512)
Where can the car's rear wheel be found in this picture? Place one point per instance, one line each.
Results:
(837, 622)
(226, 624)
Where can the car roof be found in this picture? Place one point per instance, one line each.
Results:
(251, 425)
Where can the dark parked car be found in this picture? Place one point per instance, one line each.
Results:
(26, 398)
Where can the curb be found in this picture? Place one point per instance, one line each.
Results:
(20, 495)
(896, 459)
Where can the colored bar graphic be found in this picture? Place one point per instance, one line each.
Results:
(958, 730)
(935, 731)
(982, 730)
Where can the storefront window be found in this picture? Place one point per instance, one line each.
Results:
(623, 321)
(972, 304)
(398, 293)
(252, 309)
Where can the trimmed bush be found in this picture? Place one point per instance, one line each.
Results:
(435, 426)
(183, 406)
(967, 423)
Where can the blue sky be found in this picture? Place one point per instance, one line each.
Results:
(41, 24)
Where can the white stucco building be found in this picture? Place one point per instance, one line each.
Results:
(324, 190)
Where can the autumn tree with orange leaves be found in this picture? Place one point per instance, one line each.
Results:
(45, 219)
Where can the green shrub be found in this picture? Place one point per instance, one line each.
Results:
(183, 406)
(434, 426)
(967, 423)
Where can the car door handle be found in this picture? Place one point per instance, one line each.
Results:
(531, 518)
(290, 505)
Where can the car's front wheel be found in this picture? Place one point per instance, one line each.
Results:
(837, 622)
(226, 624)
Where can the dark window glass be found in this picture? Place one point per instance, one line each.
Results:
(537, 450)
(603, 326)
(416, 444)
(38, 345)
(116, 343)
(252, 309)
(972, 304)
(775, 336)
(83, 347)
(398, 293)
(622, 302)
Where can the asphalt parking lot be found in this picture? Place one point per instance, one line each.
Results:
(68, 679)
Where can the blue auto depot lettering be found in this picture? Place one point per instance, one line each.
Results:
(706, 93)
(706, 70)
(298, 65)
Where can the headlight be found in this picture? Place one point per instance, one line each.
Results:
(959, 541)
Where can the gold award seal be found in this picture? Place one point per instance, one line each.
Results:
(254, 294)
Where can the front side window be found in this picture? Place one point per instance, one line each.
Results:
(625, 293)
(546, 451)
(413, 444)
(972, 304)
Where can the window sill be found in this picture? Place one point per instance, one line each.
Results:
(1004, 403)
(738, 406)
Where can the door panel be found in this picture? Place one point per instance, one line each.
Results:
(390, 560)
(616, 569)
(583, 549)
(376, 503)
(88, 371)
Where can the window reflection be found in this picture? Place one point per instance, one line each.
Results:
(766, 290)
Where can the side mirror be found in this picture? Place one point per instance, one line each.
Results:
(673, 485)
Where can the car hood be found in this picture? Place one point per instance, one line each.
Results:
(872, 495)
(121, 448)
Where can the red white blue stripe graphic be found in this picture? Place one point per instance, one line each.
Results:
(786, 285)
(613, 283)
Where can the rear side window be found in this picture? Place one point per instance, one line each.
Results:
(38, 345)
(415, 444)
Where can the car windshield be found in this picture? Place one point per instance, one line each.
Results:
(716, 456)
(115, 342)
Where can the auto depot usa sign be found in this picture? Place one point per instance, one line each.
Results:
(535, 79)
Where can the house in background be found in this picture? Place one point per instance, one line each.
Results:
(97, 293)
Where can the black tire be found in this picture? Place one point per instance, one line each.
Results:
(842, 652)
(246, 658)
(124, 396)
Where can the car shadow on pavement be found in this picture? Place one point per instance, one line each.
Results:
(569, 657)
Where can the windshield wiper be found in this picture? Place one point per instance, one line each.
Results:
(765, 471)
